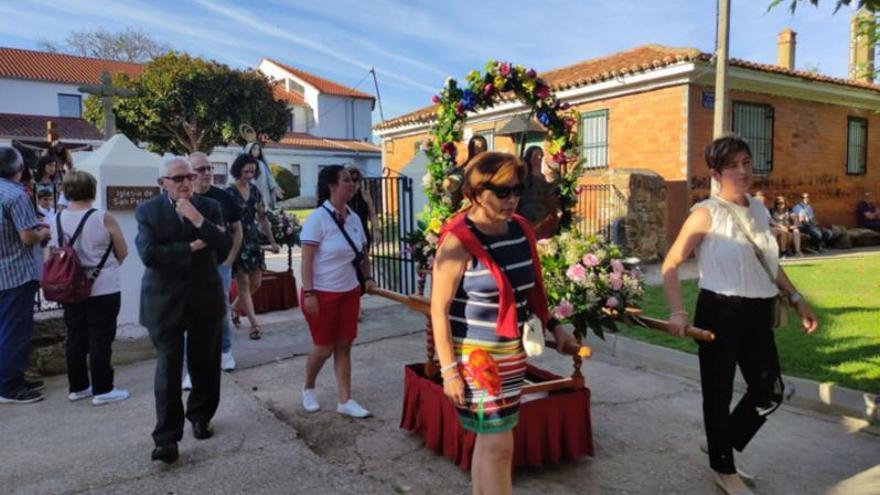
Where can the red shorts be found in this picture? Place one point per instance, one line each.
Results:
(337, 316)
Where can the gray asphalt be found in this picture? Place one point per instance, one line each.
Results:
(647, 427)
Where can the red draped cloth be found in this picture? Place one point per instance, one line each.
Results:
(550, 429)
(277, 292)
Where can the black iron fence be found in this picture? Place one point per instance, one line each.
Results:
(600, 211)
(393, 266)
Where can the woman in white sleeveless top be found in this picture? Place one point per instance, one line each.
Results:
(91, 324)
(736, 301)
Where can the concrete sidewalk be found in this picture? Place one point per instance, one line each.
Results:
(647, 426)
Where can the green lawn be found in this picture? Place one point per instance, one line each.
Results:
(301, 213)
(845, 294)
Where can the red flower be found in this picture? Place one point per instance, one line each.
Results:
(531, 74)
(542, 92)
(488, 89)
(435, 99)
(504, 70)
(448, 148)
(483, 372)
(560, 158)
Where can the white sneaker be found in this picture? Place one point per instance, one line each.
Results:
(353, 409)
(227, 361)
(114, 395)
(310, 400)
(82, 394)
(187, 383)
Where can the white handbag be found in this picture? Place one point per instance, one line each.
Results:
(533, 336)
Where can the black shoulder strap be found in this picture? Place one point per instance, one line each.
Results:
(76, 232)
(342, 229)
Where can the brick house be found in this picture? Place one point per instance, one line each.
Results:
(329, 122)
(651, 107)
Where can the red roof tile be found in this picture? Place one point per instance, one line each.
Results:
(640, 59)
(34, 127)
(323, 85)
(57, 67)
(308, 141)
(292, 97)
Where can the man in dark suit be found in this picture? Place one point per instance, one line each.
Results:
(180, 244)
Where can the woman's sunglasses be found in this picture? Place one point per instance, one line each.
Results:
(503, 192)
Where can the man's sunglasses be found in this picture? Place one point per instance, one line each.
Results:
(206, 168)
(178, 179)
(503, 192)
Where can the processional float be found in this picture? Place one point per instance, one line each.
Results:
(554, 414)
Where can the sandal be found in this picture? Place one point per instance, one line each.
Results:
(236, 320)
(256, 334)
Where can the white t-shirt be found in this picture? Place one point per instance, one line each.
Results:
(333, 271)
(727, 261)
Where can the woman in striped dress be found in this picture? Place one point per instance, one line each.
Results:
(485, 284)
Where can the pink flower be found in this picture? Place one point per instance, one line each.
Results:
(435, 99)
(459, 108)
(612, 302)
(616, 281)
(617, 266)
(576, 273)
(531, 74)
(590, 259)
(488, 89)
(560, 158)
(578, 189)
(563, 310)
(504, 70)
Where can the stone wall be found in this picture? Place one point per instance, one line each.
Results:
(644, 210)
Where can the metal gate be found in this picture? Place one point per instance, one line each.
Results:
(393, 266)
(600, 211)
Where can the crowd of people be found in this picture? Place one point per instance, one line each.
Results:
(195, 238)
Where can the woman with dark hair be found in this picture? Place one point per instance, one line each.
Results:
(91, 324)
(333, 254)
(48, 177)
(362, 204)
(740, 279)
(540, 201)
(265, 182)
(476, 145)
(250, 263)
(486, 285)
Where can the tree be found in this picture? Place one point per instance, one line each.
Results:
(872, 5)
(131, 45)
(183, 104)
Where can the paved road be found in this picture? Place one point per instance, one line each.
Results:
(647, 427)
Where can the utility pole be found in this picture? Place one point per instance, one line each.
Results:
(721, 56)
(722, 41)
(378, 96)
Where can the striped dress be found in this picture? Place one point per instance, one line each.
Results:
(473, 317)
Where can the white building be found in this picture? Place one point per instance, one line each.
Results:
(330, 124)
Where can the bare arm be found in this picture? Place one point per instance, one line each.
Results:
(449, 266)
(120, 247)
(692, 233)
(36, 235)
(809, 322)
(310, 302)
(237, 237)
(265, 226)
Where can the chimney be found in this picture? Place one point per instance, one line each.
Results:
(861, 49)
(785, 45)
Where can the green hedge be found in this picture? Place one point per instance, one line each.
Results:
(288, 182)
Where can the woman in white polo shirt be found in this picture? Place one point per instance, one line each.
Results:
(333, 248)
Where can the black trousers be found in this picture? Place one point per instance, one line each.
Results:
(744, 336)
(91, 330)
(203, 361)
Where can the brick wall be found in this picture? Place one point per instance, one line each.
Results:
(809, 154)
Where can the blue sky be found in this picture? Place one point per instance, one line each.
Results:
(416, 44)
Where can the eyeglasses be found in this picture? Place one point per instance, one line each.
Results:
(205, 169)
(503, 192)
(178, 179)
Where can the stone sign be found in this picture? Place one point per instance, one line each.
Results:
(127, 198)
